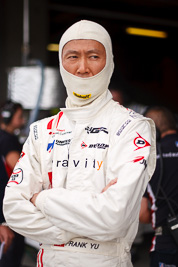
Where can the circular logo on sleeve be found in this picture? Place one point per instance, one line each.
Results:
(16, 177)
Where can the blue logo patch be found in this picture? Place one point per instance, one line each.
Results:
(176, 143)
(50, 146)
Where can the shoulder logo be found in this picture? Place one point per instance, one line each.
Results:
(140, 142)
(16, 177)
(35, 131)
(124, 125)
(133, 114)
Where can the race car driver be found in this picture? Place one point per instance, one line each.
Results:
(78, 185)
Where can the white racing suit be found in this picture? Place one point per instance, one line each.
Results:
(70, 158)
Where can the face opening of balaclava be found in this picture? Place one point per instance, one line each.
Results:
(82, 91)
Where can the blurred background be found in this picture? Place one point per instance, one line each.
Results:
(146, 67)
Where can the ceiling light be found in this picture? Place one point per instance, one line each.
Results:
(53, 47)
(146, 32)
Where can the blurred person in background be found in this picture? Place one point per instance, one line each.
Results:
(160, 202)
(123, 97)
(6, 234)
(11, 120)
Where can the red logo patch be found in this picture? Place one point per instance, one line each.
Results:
(83, 145)
(140, 142)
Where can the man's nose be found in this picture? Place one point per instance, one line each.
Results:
(83, 67)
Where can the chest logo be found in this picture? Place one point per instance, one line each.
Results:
(63, 142)
(83, 145)
(50, 146)
(82, 96)
(96, 130)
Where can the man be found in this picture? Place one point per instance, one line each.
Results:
(11, 119)
(64, 191)
(6, 234)
(162, 190)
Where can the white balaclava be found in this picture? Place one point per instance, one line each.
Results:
(82, 91)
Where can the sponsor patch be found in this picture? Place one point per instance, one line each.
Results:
(141, 160)
(124, 125)
(63, 133)
(98, 145)
(35, 131)
(83, 145)
(140, 142)
(133, 114)
(63, 142)
(95, 164)
(82, 96)
(50, 146)
(16, 177)
(144, 163)
(96, 130)
(60, 132)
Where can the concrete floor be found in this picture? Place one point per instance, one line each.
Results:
(142, 252)
(29, 259)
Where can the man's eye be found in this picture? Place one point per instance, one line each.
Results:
(71, 57)
(94, 56)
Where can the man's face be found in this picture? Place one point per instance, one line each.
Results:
(83, 58)
(18, 121)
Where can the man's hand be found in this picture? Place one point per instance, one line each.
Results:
(112, 182)
(33, 199)
(145, 212)
(6, 236)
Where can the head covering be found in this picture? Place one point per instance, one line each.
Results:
(82, 91)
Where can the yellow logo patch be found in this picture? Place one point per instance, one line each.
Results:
(82, 96)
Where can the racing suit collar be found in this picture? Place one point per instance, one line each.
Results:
(84, 114)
